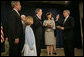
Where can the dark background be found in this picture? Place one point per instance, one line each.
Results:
(28, 8)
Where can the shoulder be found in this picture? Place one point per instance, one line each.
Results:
(52, 20)
(45, 20)
(12, 12)
(28, 28)
(71, 17)
(34, 18)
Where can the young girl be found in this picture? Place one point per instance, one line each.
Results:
(30, 45)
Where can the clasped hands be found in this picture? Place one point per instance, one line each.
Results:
(48, 25)
(60, 27)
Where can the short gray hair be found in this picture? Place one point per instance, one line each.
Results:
(38, 9)
(13, 3)
(67, 11)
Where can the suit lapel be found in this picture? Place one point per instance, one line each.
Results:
(38, 20)
(17, 13)
(66, 21)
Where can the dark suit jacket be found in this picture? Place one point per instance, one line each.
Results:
(14, 27)
(68, 32)
(37, 28)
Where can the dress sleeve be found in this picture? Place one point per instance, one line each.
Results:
(53, 24)
(44, 23)
(29, 37)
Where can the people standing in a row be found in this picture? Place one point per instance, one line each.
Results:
(16, 31)
(49, 33)
(37, 28)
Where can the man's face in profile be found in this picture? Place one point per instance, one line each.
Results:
(18, 6)
(40, 12)
(65, 14)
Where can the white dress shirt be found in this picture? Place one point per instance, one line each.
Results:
(16, 11)
(38, 16)
(65, 19)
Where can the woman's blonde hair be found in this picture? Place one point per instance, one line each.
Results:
(28, 20)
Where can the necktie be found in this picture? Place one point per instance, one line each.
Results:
(18, 13)
(64, 20)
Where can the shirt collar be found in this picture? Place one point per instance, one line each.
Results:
(16, 11)
(67, 17)
(38, 16)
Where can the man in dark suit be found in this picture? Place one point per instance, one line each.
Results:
(15, 30)
(37, 28)
(67, 27)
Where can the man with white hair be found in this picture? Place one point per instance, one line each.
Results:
(67, 27)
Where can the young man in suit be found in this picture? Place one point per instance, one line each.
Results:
(15, 30)
(67, 27)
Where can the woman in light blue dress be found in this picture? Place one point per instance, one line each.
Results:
(30, 45)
